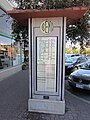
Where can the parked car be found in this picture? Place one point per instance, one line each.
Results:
(73, 63)
(81, 77)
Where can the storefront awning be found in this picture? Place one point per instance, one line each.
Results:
(23, 15)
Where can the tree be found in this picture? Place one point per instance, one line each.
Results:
(75, 30)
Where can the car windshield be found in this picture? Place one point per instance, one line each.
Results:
(68, 55)
(86, 66)
(68, 60)
(74, 59)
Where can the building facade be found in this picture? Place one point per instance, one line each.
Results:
(10, 50)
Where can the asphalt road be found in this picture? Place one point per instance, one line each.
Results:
(14, 98)
(84, 94)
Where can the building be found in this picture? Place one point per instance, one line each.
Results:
(10, 50)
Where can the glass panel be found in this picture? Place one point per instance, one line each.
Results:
(9, 52)
(46, 64)
(9, 48)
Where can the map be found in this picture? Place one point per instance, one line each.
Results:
(46, 64)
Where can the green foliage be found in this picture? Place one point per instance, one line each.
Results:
(19, 31)
(87, 43)
(78, 30)
(67, 50)
(88, 51)
(50, 4)
(83, 51)
(75, 51)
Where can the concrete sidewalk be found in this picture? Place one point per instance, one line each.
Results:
(14, 98)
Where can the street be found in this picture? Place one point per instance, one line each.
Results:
(14, 102)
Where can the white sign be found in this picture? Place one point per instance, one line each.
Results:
(46, 64)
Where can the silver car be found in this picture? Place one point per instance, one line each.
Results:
(81, 77)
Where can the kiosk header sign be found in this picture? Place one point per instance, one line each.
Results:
(46, 27)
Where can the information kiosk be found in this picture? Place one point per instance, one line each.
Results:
(47, 31)
(47, 65)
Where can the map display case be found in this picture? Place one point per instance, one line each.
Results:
(46, 64)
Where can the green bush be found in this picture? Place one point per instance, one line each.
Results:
(24, 66)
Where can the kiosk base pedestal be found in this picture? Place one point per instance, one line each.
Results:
(46, 106)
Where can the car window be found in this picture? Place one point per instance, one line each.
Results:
(83, 59)
(86, 66)
(74, 59)
(79, 60)
(68, 60)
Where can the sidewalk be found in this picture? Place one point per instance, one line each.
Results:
(14, 99)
